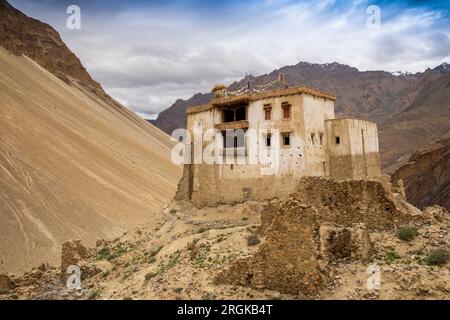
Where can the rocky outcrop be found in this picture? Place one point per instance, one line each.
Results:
(21, 34)
(341, 242)
(426, 175)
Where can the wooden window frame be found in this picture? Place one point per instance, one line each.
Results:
(267, 111)
(286, 107)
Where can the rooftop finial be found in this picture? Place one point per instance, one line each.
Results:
(282, 80)
(220, 90)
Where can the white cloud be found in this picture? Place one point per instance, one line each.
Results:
(149, 57)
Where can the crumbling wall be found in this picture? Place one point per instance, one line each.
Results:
(184, 190)
(342, 243)
(345, 202)
(285, 261)
(72, 252)
(322, 221)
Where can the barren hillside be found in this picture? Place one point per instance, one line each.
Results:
(263, 250)
(425, 119)
(73, 162)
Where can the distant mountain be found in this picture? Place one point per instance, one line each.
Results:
(426, 175)
(370, 94)
(175, 116)
(411, 109)
(443, 68)
(74, 163)
(424, 119)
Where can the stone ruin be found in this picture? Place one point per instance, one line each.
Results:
(323, 221)
(72, 252)
(6, 283)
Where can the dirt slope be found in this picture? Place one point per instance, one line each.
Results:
(72, 165)
(181, 257)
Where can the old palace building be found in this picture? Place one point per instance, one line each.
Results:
(296, 125)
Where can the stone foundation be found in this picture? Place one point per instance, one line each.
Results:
(203, 186)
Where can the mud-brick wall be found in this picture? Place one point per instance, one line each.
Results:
(210, 188)
(322, 221)
(184, 190)
(343, 203)
(286, 261)
(356, 154)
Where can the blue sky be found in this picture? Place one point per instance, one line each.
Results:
(147, 54)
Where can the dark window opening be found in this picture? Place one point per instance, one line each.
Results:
(228, 115)
(268, 140)
(286, 139)
(232, 114)
(312, 138)
(321, 138)
(338, 140)
(286, 110)
(241, 113)
(267, 111)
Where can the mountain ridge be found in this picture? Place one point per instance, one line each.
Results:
(21, 34)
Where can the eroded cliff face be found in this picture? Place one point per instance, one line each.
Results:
(322, 221)
(426, 175)
(21, 34)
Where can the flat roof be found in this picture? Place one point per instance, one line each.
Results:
(350, 118)
(249, 97)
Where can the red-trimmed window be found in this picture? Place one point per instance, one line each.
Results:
(286, 110)
(267, 112)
